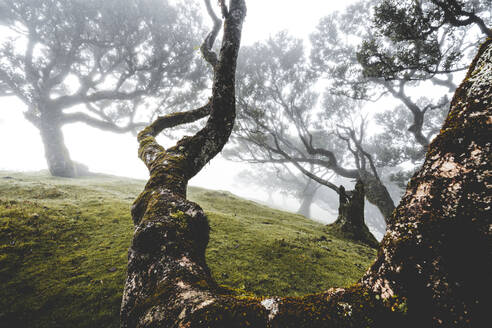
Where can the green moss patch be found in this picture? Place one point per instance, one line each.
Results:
(63, 245)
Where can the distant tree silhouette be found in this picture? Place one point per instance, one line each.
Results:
(120, 60)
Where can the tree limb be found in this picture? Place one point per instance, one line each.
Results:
(100, 124)
(207, 45)
(303, 170)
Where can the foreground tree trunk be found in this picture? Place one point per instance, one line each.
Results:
(350, 221)
(167, 277)
(432, 264)
(57, 156)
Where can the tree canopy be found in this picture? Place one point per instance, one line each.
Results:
(112, 65)
(359, 60)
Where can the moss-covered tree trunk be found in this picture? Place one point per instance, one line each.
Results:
(167, 278)
(350, 221)
(432, 266)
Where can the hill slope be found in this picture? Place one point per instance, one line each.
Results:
(63, 246)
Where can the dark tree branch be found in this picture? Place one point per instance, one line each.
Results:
(175, 119)
(452, 9)
(154, 262)
(360, 149)
(105, 125)
(207, 45)
(302, 169)
(417, 113)
(332, 160)
(448, 82)
(223, 8)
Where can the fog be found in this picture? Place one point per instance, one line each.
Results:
(116, 154)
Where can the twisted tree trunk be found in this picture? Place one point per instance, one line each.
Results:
(431, 268)
(167, 278)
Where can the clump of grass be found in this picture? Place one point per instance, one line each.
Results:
(63, 248)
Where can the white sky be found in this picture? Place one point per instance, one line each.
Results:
(266, 17)
(21, 148)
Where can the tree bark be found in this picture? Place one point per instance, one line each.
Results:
(431, 269)
(57, 156)
(167, 277)
(350, 222)
(378, 195)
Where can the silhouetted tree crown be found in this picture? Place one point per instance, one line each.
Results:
(108, 64)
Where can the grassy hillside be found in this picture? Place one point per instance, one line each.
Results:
(63, 246)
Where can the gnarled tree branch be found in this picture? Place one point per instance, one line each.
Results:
(424, 274)
(165, 260)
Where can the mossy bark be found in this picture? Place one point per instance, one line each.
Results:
(431, 267)
(167, 277)
(350, 222)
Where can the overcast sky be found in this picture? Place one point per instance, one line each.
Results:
(20, 143)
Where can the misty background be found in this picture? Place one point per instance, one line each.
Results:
(106, 152)
(300, 30)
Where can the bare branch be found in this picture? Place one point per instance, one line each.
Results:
(96, 123)
(452, 9)
(302, 169)
(175, 119)
(13, 89)
(207, 45)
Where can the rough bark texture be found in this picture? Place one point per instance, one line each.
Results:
(437, 247)
(432, 267)
(168, 279)
(350, 221)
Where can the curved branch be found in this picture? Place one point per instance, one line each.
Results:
(207, 45)
(303, 170)
(417, 280)
(96, 123)
(162, 260)
(417, 113)
(332, 160)
(452, 8)
(175, 119)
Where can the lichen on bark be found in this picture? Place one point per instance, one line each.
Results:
(431, 265)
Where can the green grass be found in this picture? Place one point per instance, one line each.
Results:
(63, 246)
